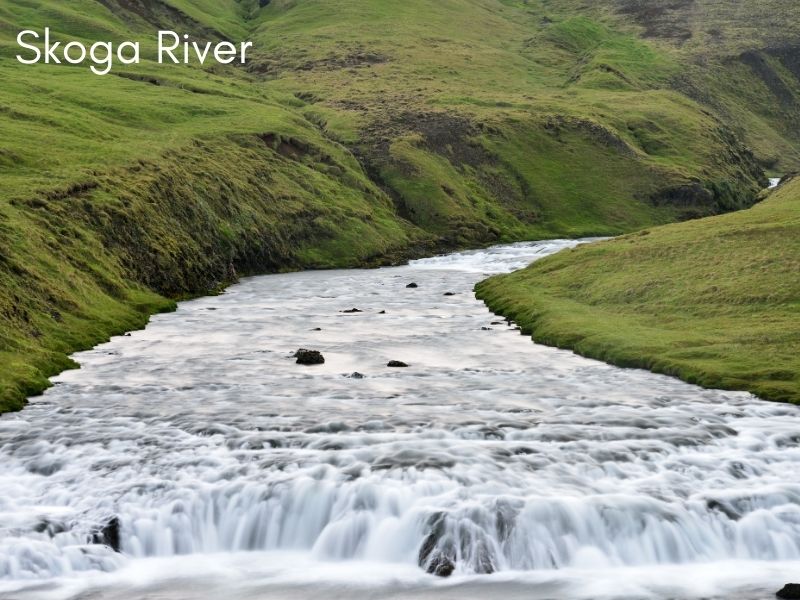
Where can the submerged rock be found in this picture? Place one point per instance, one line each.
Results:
(309, 357)
(435, 561)
(791, 591)
(441, 566)
(356, 375)
(352, 310)
(436, 556)
(397, 364)
(438, 552)
(109, 535)
(51, 528)
(484, 565)
(412, 285)
(449, 293)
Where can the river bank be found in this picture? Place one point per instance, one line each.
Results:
(713, 301)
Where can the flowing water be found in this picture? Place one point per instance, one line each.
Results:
(235, 473)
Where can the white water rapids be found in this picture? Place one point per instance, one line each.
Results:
(236, 473)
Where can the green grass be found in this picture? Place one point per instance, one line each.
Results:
(714, 301)
(360, 133)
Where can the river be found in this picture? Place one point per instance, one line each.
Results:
(236, 473)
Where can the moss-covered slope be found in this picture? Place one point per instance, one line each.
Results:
(714, 301)
(359, 133)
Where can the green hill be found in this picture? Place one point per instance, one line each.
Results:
(714, 301)
(361, 132)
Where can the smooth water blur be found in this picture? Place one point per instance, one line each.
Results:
(237, 473)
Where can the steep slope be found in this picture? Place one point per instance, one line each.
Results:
(359, 133)
(714, 301)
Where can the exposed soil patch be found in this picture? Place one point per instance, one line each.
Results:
(668, 19)
(683, 196)
(295, 149)
(449, 135)
(351, 60)
(443, 133)
(761, 67)
(557, 123)
(159, 14)
(697, 200)
(789, 57)
(298, 59)
(140, 77)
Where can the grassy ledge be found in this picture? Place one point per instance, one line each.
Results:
(714, 302)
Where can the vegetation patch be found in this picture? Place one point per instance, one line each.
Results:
(714, 301)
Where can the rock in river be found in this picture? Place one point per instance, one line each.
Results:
(397, 364)
(791, 591)
(434, 560)
(309, 357)
(109, 535)
(412, 285)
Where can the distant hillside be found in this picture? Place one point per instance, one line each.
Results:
(362, 132)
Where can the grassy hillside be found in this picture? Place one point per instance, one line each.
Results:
(714, 301)
(360, 133)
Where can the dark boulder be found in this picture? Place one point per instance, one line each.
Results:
(449, 293)
(791, 591)
(109, 535)
(436, 555)
(441, 566)
(435, 561)
(412, 285)
(352, 310)
(356, 375)
(309, 357)
(397, 364)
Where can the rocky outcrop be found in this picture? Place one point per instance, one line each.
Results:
(791, 591)
(309, 357)
(109, 535)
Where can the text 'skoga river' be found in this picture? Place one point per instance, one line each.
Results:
(223, 461)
